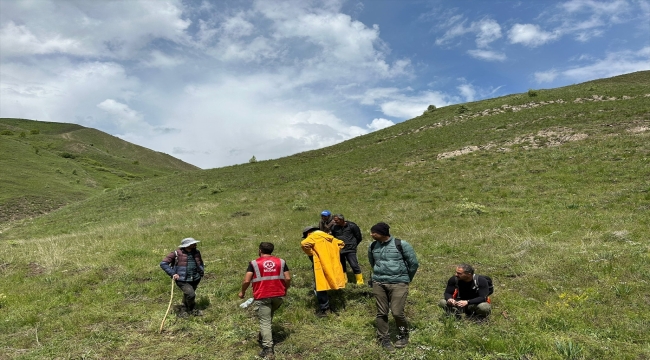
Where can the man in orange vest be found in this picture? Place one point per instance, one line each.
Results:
(271, 278)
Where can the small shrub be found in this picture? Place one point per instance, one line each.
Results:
(430, 108)
(462, 109)
(22, 135)
(123, 195)
(6, 132)
(240, 214)
(568, 350)
(136, 162)
(299, 205)
(67, 155)
(34, 131)
(216, 190)
(253, 160)
(468, 208)
(532, 93)
(36, 150)
(276, 166)
(203, 186)
(74, 172)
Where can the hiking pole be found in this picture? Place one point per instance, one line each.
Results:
(171, 298)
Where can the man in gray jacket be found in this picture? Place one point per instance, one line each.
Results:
(394, 265)
(186, 267)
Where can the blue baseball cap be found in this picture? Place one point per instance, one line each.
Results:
(326, 213)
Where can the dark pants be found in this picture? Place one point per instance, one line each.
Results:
(323, 300)
(351, 257)
(189, 293)
(390, 297)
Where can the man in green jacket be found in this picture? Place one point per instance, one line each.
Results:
(394, 265)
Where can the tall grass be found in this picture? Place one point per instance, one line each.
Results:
(560, 227)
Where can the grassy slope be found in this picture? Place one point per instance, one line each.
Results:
(47, 165)
(550, 199)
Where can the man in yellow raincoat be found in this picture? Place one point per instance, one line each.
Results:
(324, 251)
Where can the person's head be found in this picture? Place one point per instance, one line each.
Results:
(464, 272)
(339, 219)
(308, 230)
(188, 244)
(325, 215)
(380, 231)
(266, 248)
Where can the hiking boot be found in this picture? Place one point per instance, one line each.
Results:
(402, 341)
(322, 313)
(183, 314)
(387, 345)
(267, 353)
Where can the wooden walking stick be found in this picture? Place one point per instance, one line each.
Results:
(171, 298)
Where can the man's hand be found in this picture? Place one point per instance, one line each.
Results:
(451, 301)
(461, 303)
(241, 294)
(176, 277)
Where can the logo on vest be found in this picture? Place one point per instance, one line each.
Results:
(269, 266)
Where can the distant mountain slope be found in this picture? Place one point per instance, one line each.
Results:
(46, 165)
(547, 191)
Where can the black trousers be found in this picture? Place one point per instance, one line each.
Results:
(351, 257)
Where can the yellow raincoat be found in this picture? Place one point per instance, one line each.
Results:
(325, 249)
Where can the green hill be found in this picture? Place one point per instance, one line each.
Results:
(548, 192)
(48, 165)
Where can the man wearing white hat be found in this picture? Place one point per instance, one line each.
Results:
(186, 267)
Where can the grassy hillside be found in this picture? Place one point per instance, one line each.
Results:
(548, 192)
(48, 165)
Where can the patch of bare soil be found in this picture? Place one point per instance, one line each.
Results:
(35, 269)
(544, 138)
(27, 206)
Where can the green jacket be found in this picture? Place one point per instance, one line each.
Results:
(388, 265)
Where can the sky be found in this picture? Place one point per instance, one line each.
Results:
(216, 82)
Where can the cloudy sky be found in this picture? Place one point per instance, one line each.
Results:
(215, 82)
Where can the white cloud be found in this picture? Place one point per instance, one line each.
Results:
(613, 64)
(488, 55)
(487, 31)
(379, 123)
(467, 91)
(406, 107)
(546, 76)
(125, 117)
(530, 35)
(111, 29)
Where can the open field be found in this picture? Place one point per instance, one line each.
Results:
(548, 192)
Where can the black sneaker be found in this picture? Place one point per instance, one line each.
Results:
(401, 342)
(267, 353)
(387, 345)
(183, 314)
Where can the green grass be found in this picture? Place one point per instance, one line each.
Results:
(551, 200)
(47, 165)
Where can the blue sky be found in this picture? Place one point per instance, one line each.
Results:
(217, 82)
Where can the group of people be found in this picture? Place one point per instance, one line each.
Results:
(329, 246)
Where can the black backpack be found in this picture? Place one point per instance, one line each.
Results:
(489, 281)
